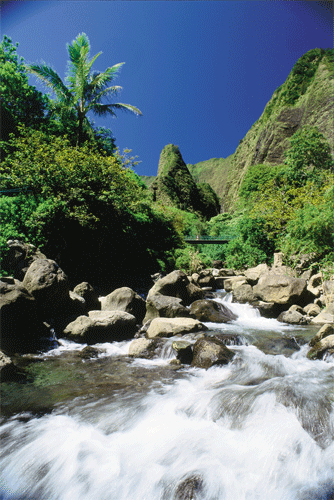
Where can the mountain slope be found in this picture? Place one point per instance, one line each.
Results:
(306, 98)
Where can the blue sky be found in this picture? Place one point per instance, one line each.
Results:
(201, 72)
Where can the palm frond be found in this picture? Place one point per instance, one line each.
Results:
(51, 79)
(95, 96)
(126, 107)
(101, 79)
(103, 109)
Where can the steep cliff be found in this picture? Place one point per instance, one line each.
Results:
(174, 185)
(306, 98)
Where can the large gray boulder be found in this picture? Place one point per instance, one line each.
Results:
(21, 322)
(8, 371)
(326, 316)
(48, 284)
(280, 289)
(210, 351)
(165, 307)
(101, 326)
(168, 327)
(322, 343)
(253, 273)
(211, 311)
(90, 296)
(125, 299)
(292, 317)
(20, 256)
(176, 284)
(146, 348)
(328, 288)
(243, 293)
(314, 285)
(234, 281)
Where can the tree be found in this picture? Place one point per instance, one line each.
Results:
(85, 90)
(308, 155)
(21, 103)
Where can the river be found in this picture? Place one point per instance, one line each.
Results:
(114, 428)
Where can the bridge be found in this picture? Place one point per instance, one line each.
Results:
(208, 240)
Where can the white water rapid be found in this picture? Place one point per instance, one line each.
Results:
(260, 428)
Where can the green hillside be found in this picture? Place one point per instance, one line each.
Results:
(306, 99)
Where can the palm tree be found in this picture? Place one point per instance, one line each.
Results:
(85, 89)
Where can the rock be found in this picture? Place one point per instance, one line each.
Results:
(207, 280)
(8, 371)
(326, 316)
(278, 259)
(292, 317)
(211, 311)
(321, 348)
(89, 352)
(168, 327)
(328, 288)
(21, 322)
(146, 348)
(268, 309)
(20, 256)
(217, 264)
(78, 304)
(176, 284)
(230, 283)
(299, 309)
(210, 351)
(312, 310)
(48, 284)
(190, 488)
(243, 293)
(281, 289)
(324, 331)
(253, 274)
(125, 299)
(166, 307)
(101, 326)
(90, 296)
(219, 283)
(315, 284)
(184, 351)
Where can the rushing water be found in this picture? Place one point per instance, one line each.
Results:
(259, 428)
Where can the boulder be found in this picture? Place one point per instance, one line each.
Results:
(165, 307)
(101, 326)
(90, 296)
(219, 282)
(322, 348)
(326, 316)
(211, 311)
(312, 310)
(48, 284)
(146, 348)
(210, 351)
(243, 293)
(324, 331)
(8, 371)
(125, 299)
(21, 322)
(268, 309)
(19, 257)
(230, 283)
(292, 317)
(168, 327)
(190, 488)
(176, 284)
(283, 290)
(278, 259)
(328, 287)
(315, 284)
(253, 274)
(184, 351)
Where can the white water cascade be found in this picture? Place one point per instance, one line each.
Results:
(261, 427)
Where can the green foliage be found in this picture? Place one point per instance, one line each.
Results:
(85, 89)
(21, 103)
(311, 229)
(82, 204)
(257, 176)
(190, 260)
(209, 200)
(309, 153)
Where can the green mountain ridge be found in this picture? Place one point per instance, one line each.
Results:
(306, 99)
